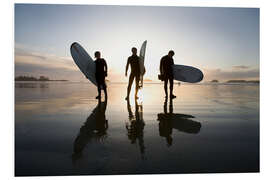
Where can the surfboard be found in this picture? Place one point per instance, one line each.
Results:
(85, 63)
(187, 73)
(141, 62)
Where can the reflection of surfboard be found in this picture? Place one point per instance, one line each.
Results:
(142, 57)
(85, 63)
(185, 125)
(187, 73)
(181, 122)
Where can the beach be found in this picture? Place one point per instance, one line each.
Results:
(61, 129)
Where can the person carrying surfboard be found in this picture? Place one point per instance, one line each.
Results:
(101, 73)
(133, 61)
(166, 71)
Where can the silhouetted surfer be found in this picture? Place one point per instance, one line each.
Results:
(166, 71)
(133, 61)
(101, 73)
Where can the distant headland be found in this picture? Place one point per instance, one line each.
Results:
(32, 78)
(214, 81)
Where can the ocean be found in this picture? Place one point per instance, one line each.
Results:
(61, 129)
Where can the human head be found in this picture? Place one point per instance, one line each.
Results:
(134, 51)
(97, 54)
(171, 53)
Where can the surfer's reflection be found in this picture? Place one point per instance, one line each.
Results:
(169, 121)
(135, 126)
(94, 128)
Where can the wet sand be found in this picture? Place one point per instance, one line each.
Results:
(61, 129)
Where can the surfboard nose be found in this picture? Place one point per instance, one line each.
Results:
(73, 45)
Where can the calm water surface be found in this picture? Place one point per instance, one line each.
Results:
(61, 129)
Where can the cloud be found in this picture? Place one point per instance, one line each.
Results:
(223, 74)
(52, 66)
(55, 67)
(53, 73)
(241, 67)
(47, 60)
(36, 64)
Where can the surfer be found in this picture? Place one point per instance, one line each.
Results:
(133, 61)
(166, 72)
(101, 73)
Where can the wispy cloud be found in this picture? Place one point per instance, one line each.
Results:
(241, 67)
(55, 67)
(35, 63)
(244, 73)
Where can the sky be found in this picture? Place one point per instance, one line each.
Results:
(222, 42)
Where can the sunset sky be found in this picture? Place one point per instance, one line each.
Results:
(222, 42)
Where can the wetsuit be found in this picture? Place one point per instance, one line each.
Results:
(135, 72)
(166, 70)
(101, 73)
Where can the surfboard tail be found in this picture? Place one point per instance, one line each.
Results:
(142, 59)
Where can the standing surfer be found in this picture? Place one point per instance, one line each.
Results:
(101, 73)
(166, 71)
(133, 61)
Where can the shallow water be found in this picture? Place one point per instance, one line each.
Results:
(61, 129)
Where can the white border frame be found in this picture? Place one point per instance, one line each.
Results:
(7, 89)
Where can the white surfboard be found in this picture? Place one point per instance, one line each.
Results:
(187, 73)
(85, 63)
(142, 57)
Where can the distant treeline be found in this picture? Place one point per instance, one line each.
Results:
(31, 78)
